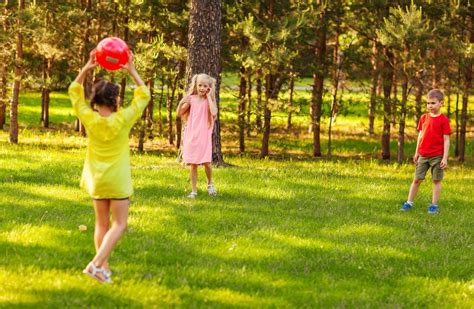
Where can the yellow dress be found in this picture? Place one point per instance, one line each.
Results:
(106, 173)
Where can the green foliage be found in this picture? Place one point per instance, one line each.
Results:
(407, 31)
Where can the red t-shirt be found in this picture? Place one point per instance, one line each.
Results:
(433, 130)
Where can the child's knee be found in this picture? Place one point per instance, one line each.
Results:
(121, 226)
(417, 181)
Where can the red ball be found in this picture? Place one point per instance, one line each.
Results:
(111, 53)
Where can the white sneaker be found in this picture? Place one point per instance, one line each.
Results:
(192, 195)
(211, 190)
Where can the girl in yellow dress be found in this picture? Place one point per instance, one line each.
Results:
(106, 175)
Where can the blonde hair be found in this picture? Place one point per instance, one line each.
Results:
(192, 90)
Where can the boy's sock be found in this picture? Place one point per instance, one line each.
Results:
(410, 202)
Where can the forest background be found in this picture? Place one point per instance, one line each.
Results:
(319, 102)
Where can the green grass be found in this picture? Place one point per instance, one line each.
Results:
(289, 231)
(280, 234)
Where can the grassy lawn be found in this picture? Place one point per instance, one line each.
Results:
(285, 234)
(289, 231)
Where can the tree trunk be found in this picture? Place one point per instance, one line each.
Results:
(272, 89)
(3, 94)
(204, 47)
(466, 90)
(267, 115)
(149, 108)
(456, 112)
(290, 101)
(3, 79)
(169, 106)
(418, 98)
(335, 85)
(456, 128)
(141, 134)
(387, 80)
(318, 85)
(179, 126)
(160, 107)
(87, 7)
(403, 113)
(249, 100)
(258, 105)
(241, 109)
(395, 102)
(373, 89)
(123, 82)
(18, 76)
(45, 93)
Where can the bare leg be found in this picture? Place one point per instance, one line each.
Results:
(194, 168)
(119, 225)
(208, 169)
(415, 185)
(436, 191)
(102, 223)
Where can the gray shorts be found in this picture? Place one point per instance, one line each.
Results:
(424, 164)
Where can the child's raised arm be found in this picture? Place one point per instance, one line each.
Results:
(130, 67)
(92, 63)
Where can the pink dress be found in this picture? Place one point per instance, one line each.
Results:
(197, 141)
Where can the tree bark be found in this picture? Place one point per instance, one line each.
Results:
(249, 100)
(123, 82)
(45, 93)
(401, 124)
(318, 83)
(258, 105)
(267, 115)
(241, 109)
(336, 77)
(204, 48)
(466, 90)
(3, 94)
(3, 80)
(150, 107)
(373, 89)
(418, 97)
(387, 80)
(18, 76)
(290, 101)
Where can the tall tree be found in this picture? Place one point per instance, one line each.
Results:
(18, 75)
(204, 47)
(405, 30)
(468, 59)
(5, 58)
(320, 72)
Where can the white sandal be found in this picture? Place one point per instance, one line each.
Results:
(192, 195)
(211, 189)
(104, 275)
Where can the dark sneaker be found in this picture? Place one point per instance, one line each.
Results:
(406, 207)
(433, 209)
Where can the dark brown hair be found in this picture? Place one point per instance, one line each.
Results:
(105, 93)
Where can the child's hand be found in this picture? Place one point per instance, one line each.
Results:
(443, 164)
(415, 158)
(130, 66)
(92, 62)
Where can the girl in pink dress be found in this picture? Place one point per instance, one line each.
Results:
(199, 110)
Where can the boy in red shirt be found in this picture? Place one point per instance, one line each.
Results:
(432, 150)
